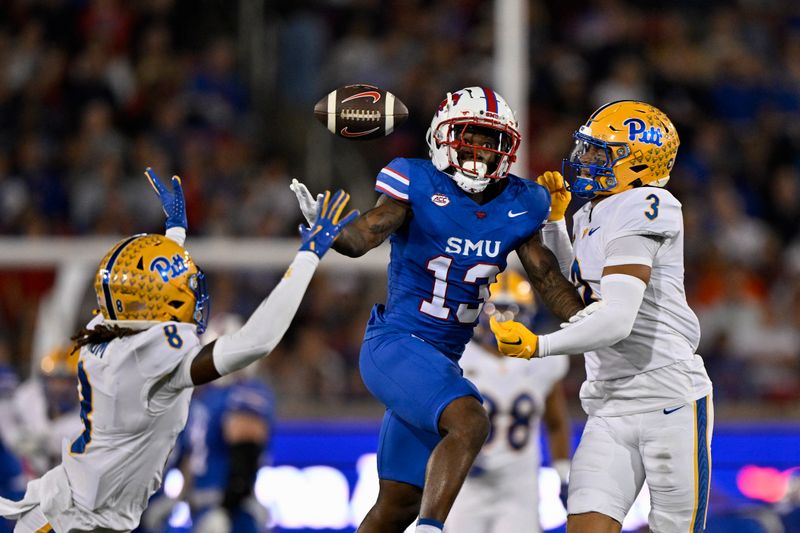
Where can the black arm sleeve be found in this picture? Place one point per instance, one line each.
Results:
(243, 467)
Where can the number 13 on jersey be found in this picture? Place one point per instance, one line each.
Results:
(466, 314)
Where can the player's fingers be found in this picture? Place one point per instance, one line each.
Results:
(177, 187)
(322, 204)
(300, 190)
(497, 327)
(351, 216)
(155, 182)
(340, 200)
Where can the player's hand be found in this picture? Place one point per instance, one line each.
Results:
(583, 313)
(171, 200)
(559, 195)
(319, 237)
(514, 339)
(308, 204)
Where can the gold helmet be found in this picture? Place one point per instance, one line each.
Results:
(60, 362)
(623, 145)
(146, 279)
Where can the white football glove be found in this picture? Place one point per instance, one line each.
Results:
(583, 313)
(308, 204)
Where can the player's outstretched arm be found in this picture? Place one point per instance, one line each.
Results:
(373, 227)
(173, 203)
(368, 231)
(269, 322)
(559, 295)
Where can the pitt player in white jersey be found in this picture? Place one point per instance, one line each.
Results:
(501, 493)
(647, 393)
(140, 358)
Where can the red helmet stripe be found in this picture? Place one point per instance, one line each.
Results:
(491, 100)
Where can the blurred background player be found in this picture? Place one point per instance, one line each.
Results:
(227, 435)
(45, 411)
(501, 493)
(140, 359)
(12, 477)
(452, 220)
(646, 392)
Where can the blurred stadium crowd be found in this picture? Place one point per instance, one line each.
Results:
(93, 91)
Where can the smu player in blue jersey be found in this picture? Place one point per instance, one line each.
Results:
(229, 428)
(452, 220)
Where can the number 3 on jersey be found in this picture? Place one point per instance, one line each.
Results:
(435, 307)
(653, 212)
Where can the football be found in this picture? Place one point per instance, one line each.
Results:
(360, 112)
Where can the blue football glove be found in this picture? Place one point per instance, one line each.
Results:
(319, 237)
(172, 201)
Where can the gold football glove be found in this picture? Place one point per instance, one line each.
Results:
(559, 195)
(514, 339)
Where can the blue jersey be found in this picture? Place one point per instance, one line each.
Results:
(208, 450)
(444, 259)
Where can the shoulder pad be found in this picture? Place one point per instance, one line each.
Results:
(646, 211)
(162, 347)
(536, 198)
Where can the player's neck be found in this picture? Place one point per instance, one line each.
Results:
(491, 192)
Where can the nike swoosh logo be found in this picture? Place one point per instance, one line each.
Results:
(512, 214)
(375, 95)
(346, 133)
(669, 411)
(519, 341)
(593, 230)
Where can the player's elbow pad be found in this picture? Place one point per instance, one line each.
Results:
(607, 326)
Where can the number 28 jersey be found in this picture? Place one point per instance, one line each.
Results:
(449, 252)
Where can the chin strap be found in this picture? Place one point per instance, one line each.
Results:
(472, 183)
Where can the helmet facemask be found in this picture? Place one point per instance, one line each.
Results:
(202, 300)
(590, 167)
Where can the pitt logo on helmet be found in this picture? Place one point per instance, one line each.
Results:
(169, 270)
(623, 145)
(637, 130)
(138, 286)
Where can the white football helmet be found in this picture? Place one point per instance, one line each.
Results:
(464, 114)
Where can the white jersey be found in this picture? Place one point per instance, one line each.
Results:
(132, 416)
(656, 365)
(501, 494)
(514, 393)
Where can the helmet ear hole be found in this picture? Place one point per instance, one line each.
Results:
(176, 304)
(140, 264)
(638, 168)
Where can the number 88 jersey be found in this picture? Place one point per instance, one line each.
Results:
(444, 259)
(514, 393)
